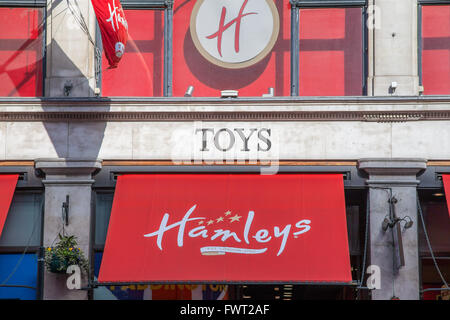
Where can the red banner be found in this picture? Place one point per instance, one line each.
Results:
(113, 27)
(227, 227)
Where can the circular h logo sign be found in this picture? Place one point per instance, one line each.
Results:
(234, 33)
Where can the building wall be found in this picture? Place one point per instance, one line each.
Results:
(68, 137)
(388, 133)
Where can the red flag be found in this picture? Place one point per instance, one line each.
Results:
(113, 27)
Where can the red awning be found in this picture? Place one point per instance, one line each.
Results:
(7, 185)
(227, 228)
(446, 180)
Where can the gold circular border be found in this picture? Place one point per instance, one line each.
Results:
(248, 63)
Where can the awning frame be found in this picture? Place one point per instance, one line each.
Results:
(353, 283)
(107, 178)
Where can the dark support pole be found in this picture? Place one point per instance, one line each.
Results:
(40, 278)
(419, 42)
(168, 27)
(294, 49)
(44, 52)
(365, 51)
(41, 257)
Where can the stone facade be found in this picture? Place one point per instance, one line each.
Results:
(390, 138)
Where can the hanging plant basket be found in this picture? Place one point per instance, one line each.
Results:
(64, 254)
(56, 265)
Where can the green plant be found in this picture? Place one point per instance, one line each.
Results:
(64, 254)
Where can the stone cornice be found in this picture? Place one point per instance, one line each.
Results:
(374, 116)
(44, 101)
(73, 167)
(392, 172)
(392, 166)
(365, 109)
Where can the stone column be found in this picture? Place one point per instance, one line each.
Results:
(70, 52)
(73, 178)
(398, 176)
(393, 48)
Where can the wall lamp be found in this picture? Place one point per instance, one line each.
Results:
(393, 87)
(388, 223)
(65, 211)
(269, 94)
(229, 94)
(67, 88)
(391, 221)
(189, 91)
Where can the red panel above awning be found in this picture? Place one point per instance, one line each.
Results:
(227, 228)
(7, 186)
(446, 180)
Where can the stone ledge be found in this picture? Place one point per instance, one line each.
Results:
(392, 170)
(67, 167)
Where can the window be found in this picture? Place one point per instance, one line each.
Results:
(331, 42)
(330, 52)
(21, 49)
(19, 272)
(103, 205)
(228, 59)
(200, 48)
(329, 59)
(436, 217)
(19, 245)
(435, 47)
(433, 224)
(140, 71)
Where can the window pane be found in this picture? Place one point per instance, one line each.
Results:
(21, 54)
(140, 71)
(431, 278)
(331, 52)
(437, 223)
(436, 49)
(158, 292)
(23, 223)
(103, 205)
(18, 269)
(192, 62)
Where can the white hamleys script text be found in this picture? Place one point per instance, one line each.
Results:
(115, 17)
(261, 236)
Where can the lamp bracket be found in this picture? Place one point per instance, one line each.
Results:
(65, 211)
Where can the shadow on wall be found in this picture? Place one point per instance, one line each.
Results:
(22, 73)
(72, 138)
(215, 76)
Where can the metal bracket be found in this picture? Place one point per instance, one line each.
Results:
(65, 211)
(169, 4)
